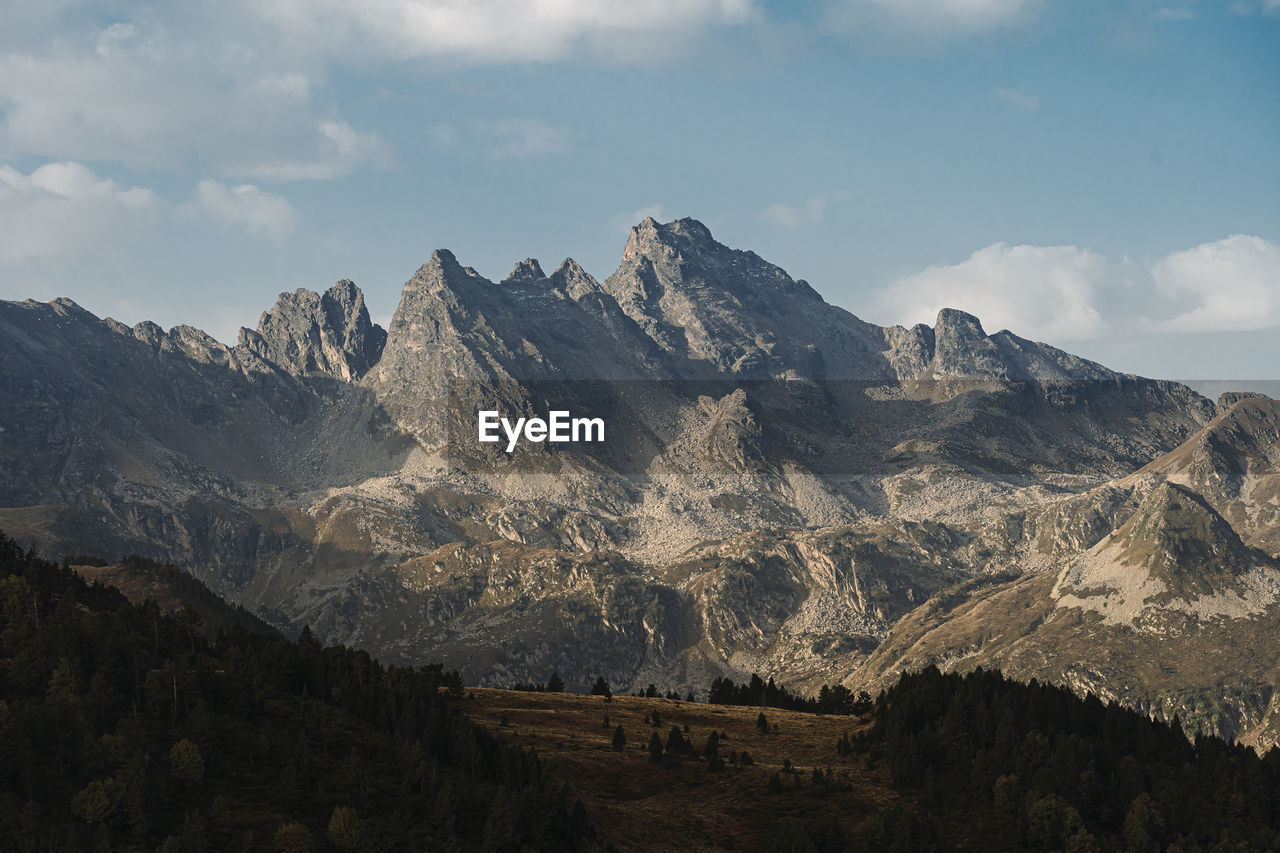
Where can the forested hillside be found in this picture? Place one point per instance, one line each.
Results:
(1033, 766)
(122, 728)
(937, 762)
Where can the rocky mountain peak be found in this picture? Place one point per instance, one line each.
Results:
(1234, 462)
(962, 348)
(442, 272)
(1181, 539)
(725, 310)
(149, 333)
(1227, 399)
(652, 238)
(65, 306)
(954, 325)
(571, 278)
(526, 270)
(688, 230)
(197, 345)
(307, 332)
(794, 525)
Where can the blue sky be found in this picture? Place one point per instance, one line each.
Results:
(1102, 176)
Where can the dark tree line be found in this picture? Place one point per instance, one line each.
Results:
(554, 684)
(1034, 766)
(216, 615)
(836, 699)
(988, 763)
(124, 728)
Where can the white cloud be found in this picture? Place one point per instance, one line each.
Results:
(239, 89)
(500, 31)
(1018, 98)
(528, 137)
(1041, 292)
(623, 222)
(175, 93)
(1229, 285)
(352, 145)
(246, 206)
(63, 209)
(1064, 293)
(796, 216)
(931, 17)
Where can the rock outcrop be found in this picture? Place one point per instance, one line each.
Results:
(306, 332)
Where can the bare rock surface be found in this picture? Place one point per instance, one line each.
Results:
(308, 332)
(784, 488)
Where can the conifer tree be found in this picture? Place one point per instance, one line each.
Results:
(655, 748)
(346, 831)
(185, 762)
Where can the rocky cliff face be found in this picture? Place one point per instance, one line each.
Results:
(307, 332)
(785, 488)
(726, 312)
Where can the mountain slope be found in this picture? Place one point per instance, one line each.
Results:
(124, 728)
(783, 486)
(1162, 602)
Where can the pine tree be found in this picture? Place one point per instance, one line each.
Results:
(619, 738)
(655, 748)
(185, 762)
(346, 830)
(293, 838)
(675, 742)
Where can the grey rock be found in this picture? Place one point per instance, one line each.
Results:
(526, 270)
(306, 332)
(786, 489)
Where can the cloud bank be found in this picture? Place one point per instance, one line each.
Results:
(245, 206)
(1065, 293)
(1232, 284)
(501, 31)
(1045, 292)
(156, 95)
(62, 210)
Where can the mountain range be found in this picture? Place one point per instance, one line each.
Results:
(784, 488)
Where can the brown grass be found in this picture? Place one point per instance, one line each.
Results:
(638, 805)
